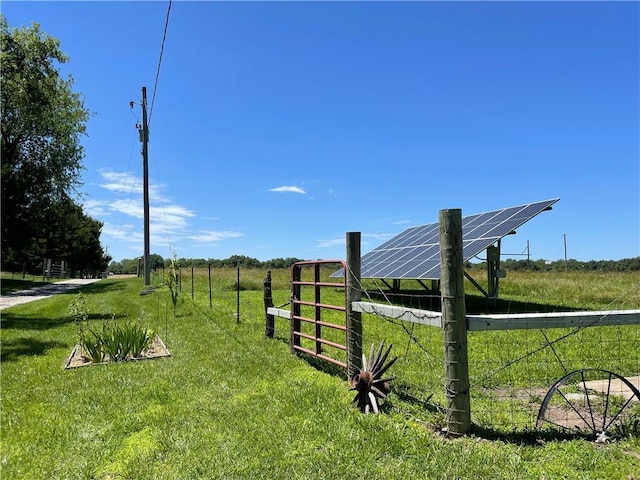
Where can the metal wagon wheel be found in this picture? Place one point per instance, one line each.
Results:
(369, 383)
(591, 402)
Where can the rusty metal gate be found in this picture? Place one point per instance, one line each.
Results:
(307, 307)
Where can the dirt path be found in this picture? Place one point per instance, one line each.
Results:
(38, 293)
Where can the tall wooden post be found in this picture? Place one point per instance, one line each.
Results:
(353, 294)
(268, 302)
(454, 323)
(145, 174)
(210, 293)
(238, 296)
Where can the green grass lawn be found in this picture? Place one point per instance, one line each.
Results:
(230, 403)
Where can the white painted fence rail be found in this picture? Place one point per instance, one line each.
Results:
(508, 321)
(520, 321)
(414, 315)
(279, 312)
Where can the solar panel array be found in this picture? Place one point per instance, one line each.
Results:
(415, 253)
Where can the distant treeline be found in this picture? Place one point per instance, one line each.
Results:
(624, 265)
(157, 262)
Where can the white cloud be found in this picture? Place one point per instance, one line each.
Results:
(291, 189)
(210, 236)
(96, 208)
(170, 217)
(122, 232)
(124, 182)
(130, 207)
(401, 222)
(169, 223)
(331, 242)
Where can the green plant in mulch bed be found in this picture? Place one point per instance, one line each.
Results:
(125, 341)
(114, 342)
(93, 345)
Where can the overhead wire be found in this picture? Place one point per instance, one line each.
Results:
(153, 99)
(155, 86)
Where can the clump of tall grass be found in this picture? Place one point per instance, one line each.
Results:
(114, 342)
(117, 342)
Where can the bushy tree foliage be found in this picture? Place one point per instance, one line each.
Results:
(42, 121)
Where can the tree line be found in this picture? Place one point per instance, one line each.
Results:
(43, 120)
(131, 266)
(623, 265)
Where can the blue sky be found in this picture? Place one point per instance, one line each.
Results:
(277, 127)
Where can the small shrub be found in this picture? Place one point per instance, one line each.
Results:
(173, 282)
(80, 313)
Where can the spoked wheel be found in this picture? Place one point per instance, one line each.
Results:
(589, 402)
(369, 383)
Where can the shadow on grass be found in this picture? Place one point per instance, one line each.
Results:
(474, 304)
(103, 287)
(527, 437)
(31, 289)
(10, 285)
(31, 322)
(24, 346)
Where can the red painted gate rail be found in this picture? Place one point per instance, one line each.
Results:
(297, 319)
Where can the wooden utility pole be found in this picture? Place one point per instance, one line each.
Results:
(454, 323)
(144, 138)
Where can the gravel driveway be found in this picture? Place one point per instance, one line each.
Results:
(38, 293)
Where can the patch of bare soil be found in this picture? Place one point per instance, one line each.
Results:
(78, 358)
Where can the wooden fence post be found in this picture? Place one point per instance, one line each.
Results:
(353, 294)
(210, 292)
(238, 296)
(454, 323)
(268, 302)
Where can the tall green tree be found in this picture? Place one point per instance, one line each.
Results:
(76, 240)
(42, 121)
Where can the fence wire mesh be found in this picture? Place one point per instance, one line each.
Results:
(511, 371)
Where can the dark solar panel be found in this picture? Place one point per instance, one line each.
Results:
(415, 253)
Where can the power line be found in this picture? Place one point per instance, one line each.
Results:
(155, 86)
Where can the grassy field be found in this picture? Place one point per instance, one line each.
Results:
(230, 403)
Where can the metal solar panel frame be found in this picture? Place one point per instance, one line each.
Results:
(415, 253)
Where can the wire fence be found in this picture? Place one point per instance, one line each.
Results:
(511, 371)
